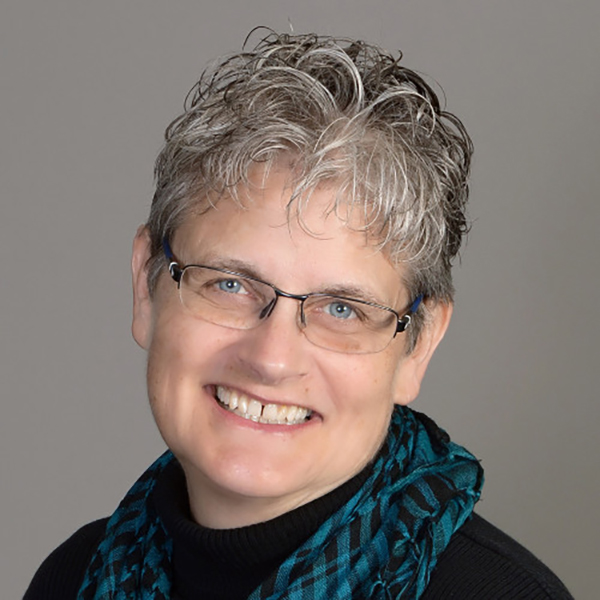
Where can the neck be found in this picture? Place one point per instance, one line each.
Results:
(217, 508)
(230, 563)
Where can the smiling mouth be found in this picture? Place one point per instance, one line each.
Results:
(254, 410)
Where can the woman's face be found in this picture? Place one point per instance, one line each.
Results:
(240, 471)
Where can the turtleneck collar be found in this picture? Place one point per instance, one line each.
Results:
(231, 563)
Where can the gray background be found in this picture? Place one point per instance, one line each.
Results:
(86, 91)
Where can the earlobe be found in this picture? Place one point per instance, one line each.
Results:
(414, 365)
(141, 325)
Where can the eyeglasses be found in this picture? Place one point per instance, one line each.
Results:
(239, 301)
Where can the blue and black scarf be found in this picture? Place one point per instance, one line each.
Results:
(383, 543)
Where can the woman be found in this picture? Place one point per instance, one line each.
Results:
(290, 287)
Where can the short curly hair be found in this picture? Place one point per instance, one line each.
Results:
(347, 113)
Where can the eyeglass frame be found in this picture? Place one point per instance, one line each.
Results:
(176, 271)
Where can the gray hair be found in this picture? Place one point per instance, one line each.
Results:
(346, 113)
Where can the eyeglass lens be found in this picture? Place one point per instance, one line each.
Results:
(331, 322)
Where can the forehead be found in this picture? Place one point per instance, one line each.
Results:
(300, 246)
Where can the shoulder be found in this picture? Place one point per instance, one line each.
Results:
(61, 574)
(482, 562)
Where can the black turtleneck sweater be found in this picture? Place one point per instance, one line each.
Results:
(213, 564)
(480, 563)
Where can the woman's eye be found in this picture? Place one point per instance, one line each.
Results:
(231, 286)
(340, 310)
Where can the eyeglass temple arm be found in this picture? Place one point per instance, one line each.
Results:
(174, 269)
(404, 321)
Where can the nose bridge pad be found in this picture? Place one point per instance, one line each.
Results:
(268, 309)
(302, 315)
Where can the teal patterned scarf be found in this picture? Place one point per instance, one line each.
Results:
(383, 543)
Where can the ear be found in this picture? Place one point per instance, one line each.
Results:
(412, 367)
(141, 326)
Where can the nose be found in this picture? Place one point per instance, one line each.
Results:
(276, 350)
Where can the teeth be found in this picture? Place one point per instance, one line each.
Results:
(291, 414)
(254, 410)
(269, 412)
(225, 396)
(250, 408)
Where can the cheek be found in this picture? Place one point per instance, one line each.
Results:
(174, 375)
(173, 352)
(165, 357)
(364, 393)
(372, 376)
(184, 351)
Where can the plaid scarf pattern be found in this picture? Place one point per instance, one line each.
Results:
(382, 544)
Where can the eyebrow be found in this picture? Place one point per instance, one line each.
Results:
(352, 292)
(232, 264)
(349, 291)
